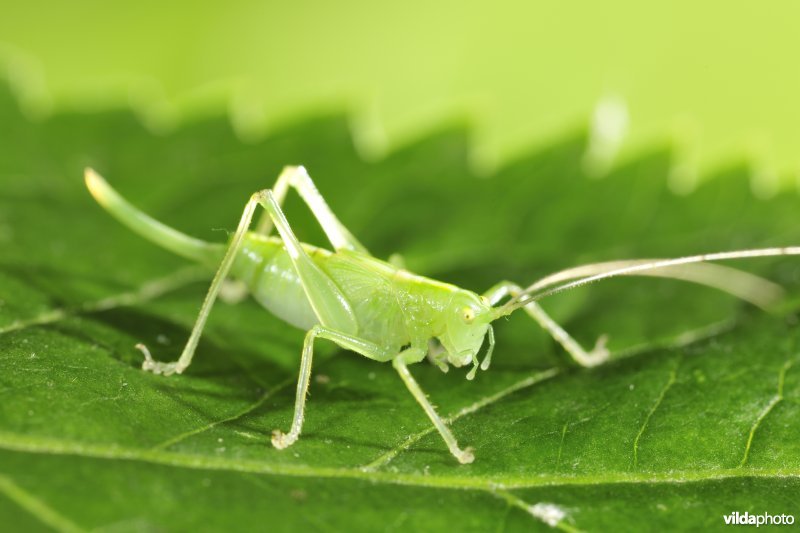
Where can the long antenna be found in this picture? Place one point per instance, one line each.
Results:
(540, 289)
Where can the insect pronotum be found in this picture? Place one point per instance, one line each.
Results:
(380, 310)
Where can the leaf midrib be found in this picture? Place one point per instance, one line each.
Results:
(20, 443)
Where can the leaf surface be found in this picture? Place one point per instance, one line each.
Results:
(696, 416)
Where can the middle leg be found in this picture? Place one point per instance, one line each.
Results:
(349, 342)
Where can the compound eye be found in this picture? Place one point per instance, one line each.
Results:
(468, 314)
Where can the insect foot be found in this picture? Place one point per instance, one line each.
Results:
(465, 456)
(599, 353)
(164, 369)
(156, 367)
(282, 440)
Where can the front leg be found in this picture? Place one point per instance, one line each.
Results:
(598, 355)
(400, 364)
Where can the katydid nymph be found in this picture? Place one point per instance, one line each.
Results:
(379, 309)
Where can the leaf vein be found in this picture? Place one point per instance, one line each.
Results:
(36, 507)
(147, 291)
(561, 445)
(387, 457)
(547, 513)
(767, 409)
(670, 382)
(244, 412)
(461, 481)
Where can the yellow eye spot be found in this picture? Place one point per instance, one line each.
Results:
(468, 314)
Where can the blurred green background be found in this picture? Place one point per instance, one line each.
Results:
(720, 78)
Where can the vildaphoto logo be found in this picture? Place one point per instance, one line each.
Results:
(746, 519)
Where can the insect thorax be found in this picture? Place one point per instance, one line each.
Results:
(394, 308)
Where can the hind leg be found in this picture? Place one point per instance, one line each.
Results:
(326, 299)
(298, 179)
(187, 354)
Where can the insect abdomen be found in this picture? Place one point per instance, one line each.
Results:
(264, 265)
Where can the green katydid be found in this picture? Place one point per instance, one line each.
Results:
(379, 309)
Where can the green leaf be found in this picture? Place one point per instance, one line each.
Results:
(696, 416)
